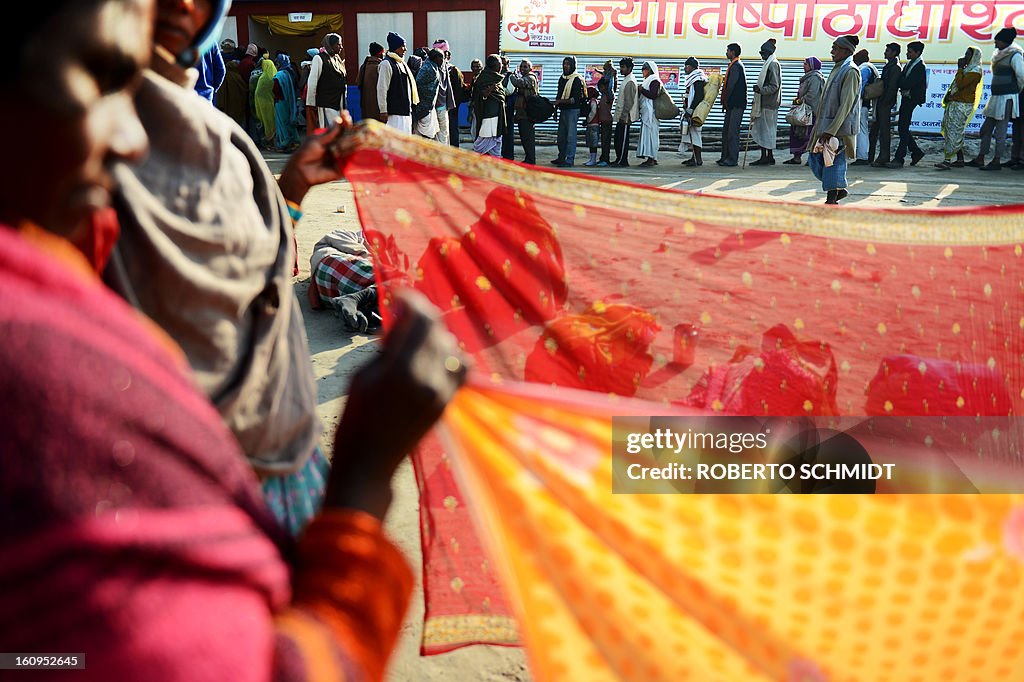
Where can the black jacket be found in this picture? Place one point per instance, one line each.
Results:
(734, 90)
(892, 72)
(914, 83)
(698, 95)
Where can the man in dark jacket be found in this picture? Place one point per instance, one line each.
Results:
(881, 129)
(526, 86)
(914, 92)
(459, 90)
(488, 101)
(366, 81)
(508, 140)
(734, 101)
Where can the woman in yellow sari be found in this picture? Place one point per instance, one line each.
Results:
(265, 102)
(960, 103)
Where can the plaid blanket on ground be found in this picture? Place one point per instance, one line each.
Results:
(337, 275)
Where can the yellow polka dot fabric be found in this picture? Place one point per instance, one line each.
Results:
(909, 588)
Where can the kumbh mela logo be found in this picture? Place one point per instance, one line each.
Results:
(533, 24)
(941, 24)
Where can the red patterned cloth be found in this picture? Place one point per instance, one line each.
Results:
(573, 281)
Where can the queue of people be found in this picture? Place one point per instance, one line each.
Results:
(886, 98)
(272, 98)
(421, 93)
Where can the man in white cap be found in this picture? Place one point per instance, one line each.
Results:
(396, 88)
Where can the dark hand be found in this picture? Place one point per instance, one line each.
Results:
(393, 402)
(757, 88)
(313, 163)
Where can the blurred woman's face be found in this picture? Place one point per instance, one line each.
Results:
(76, 113)
(179, 21)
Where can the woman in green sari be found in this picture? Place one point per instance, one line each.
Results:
(265, 102)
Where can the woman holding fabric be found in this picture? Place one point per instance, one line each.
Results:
(812, 83)
(285, 99)
(263, 99)
(132, 527)
(650, 127)
(960, 103)
(694, 82)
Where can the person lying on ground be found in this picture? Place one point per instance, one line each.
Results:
(342, 279)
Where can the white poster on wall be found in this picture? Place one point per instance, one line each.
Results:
(465, 32)
(373, 27)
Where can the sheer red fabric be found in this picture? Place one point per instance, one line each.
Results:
(734, 306)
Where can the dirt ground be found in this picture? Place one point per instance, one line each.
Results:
(337, 354)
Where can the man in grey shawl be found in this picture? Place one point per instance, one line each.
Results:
(834, 138)
(764, 114)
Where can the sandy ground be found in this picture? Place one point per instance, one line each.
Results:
(337, 354)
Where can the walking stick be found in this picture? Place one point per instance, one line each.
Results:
(750, 132)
